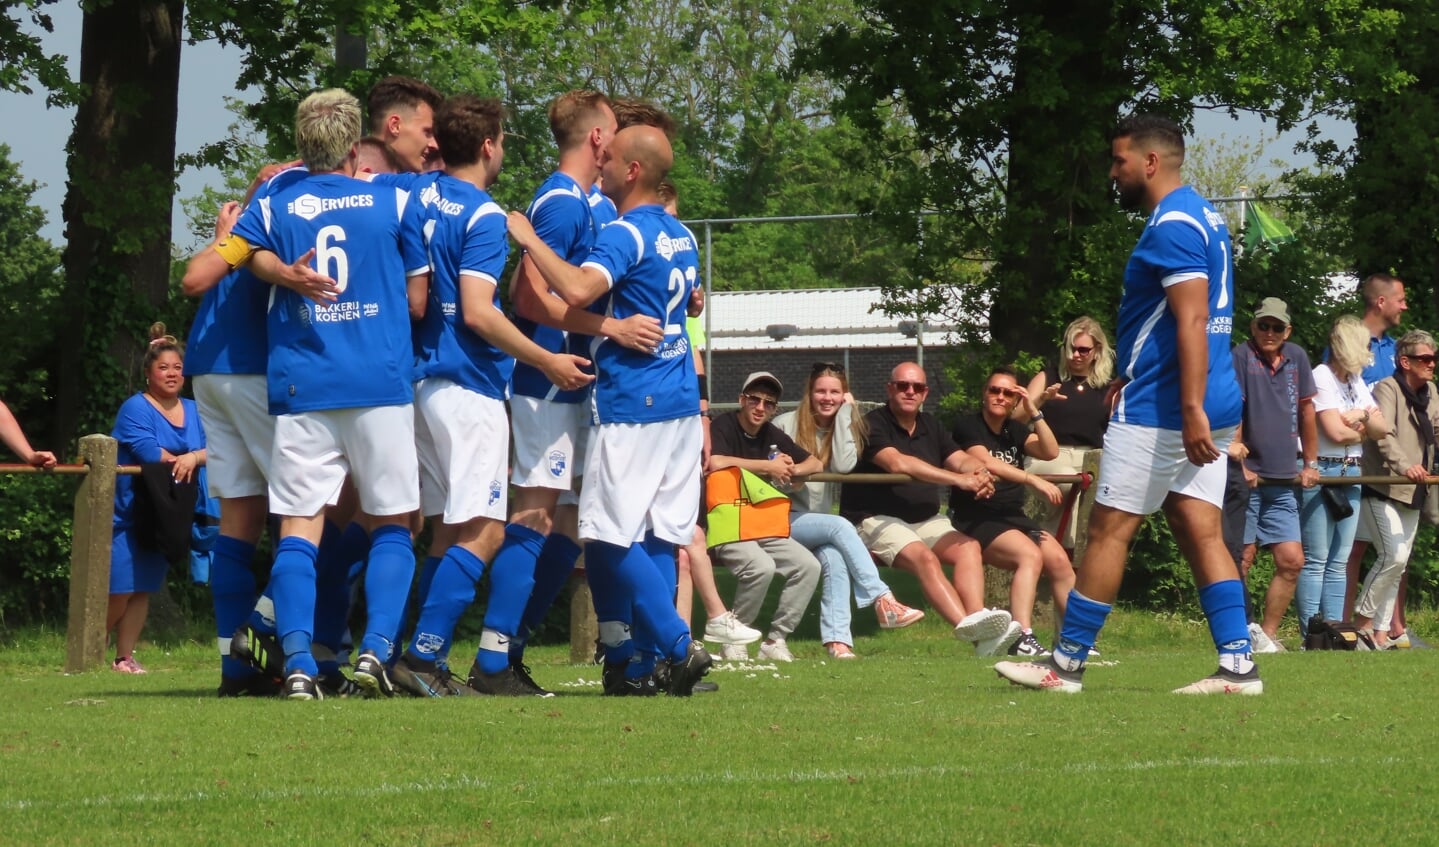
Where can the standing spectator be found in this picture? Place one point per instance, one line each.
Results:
(900, 523)
(1278, 388)
(1006, 535)
(1173, 418)
(825, 424)
(1347, 416)
(749, 441)
(156, 425)
(12, 436)
(1390, 513)
(1072, 394)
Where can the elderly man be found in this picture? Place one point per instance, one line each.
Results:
(901, 524)
(748, 440)
(1278, 388)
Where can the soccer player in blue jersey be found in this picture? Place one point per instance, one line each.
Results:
(1173, 417)
(641, 496)
(550, 424)
(339, 377)
(467, 353)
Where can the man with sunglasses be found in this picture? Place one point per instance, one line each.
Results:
(1278, 388)
(901, 523)
(748, 440)
(1173, 417)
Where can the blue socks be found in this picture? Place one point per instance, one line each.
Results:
(292, 582)
(1223, 605)
(555, 563)
(388, 576)
(452, 590)
(512, 580)
(232, 590)
(638, 576)
(1083, 618)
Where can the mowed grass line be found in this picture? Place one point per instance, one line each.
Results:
(917, 743)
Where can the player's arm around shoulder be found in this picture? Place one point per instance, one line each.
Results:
(577, 286)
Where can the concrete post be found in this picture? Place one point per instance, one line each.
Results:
(90, 555)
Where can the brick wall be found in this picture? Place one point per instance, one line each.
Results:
(868, 370)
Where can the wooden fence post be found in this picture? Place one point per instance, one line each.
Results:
(90, 555)
(1086, 504)
(584, 628)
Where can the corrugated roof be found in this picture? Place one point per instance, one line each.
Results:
(811, 319)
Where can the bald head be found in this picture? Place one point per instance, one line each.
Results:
(649, 147)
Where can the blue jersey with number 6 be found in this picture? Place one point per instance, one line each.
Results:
(1184, 239)
(355, 352)
(651, 263)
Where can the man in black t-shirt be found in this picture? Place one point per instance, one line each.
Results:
(1009, 538)
(900, 523)
(747, 440)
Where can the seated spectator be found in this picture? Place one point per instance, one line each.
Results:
(1072, 393)
(900, 523)
(1007, 536)
(749, 441)
(825, 424)
(1390, 513)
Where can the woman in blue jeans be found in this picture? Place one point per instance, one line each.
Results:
(1346, 415)
(826, 425)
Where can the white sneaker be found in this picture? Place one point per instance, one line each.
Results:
(728, 629)
(1042, 675)
(1259, 642)
(999, 644)
(985, 623)
(775, 651)
(734, 653)
(1224, 682)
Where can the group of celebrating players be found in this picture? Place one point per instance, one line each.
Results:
(352, 366)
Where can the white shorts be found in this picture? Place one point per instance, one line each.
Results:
(315, 451)
(463, 441)
(1144, 464)
(640, 478)
(239, 432)
(586, 434)
(546, 439)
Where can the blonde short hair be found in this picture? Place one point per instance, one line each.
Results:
(327, 125)
(1101, 366)
(1349, 345)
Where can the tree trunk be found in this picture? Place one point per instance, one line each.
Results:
(121, 162)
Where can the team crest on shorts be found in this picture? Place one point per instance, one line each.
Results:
(495, 491)
(428, 642)
(558, 462)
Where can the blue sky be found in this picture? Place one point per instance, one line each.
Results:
(37, 135)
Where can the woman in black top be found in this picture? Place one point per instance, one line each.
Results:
(1072, 395)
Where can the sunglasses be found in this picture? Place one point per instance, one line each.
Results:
(762, 402)
(904, 385)
(997, 390)
(1081, 351)
(1426, 358)
(821, 367)
(1270, 326)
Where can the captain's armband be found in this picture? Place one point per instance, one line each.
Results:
(234, 249)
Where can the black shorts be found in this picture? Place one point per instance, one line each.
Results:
(986, 528)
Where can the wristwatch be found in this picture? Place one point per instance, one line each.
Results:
(1313, 466)
(1036, 417)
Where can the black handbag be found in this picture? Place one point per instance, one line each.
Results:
(1336, 502)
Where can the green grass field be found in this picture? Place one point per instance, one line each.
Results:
(916, 743)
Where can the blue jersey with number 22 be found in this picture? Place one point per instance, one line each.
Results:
(652, 265)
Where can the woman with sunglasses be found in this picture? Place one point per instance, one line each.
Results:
(1071, 394)
(1347, 416)
(825, 424)
(1389, 514)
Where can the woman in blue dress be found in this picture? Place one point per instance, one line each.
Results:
(156, 425)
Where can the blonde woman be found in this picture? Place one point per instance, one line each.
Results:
(1347, 416)
(825, 425)
(1071, 395)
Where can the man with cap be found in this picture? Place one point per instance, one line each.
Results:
(748, 440)
(1278, 388)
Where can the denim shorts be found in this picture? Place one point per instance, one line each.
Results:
(1273, 515)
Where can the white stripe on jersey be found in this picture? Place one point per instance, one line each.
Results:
(554, 192)
(402, 197)
(1183, 277)
(480, 275)
(1145, 330)
(485, 209)
(604, 271)
(1183, 217)
(265, 213)
(639, 239)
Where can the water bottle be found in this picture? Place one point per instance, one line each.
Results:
(774, 454)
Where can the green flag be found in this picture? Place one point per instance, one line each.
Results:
(1262, 228)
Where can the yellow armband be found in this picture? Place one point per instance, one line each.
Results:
(235, 250)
